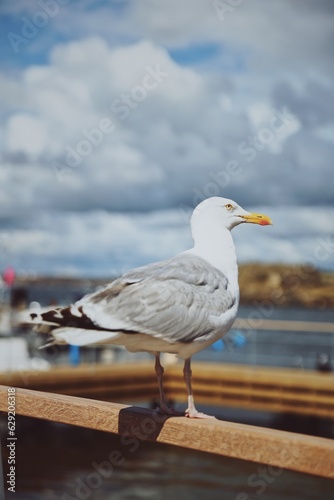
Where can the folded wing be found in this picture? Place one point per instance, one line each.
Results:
(178, 300)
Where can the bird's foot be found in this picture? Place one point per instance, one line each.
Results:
(165, 410)
(193, 413)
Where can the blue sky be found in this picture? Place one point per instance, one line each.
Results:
(117, 118)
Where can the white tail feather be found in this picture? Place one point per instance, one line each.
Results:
(80, 336)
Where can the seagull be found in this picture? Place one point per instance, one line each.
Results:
(180, 305)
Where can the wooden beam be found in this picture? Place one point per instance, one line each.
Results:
(301, 392)
(297, 452)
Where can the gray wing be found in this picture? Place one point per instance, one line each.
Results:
(177, 300)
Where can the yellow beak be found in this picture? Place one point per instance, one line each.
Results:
(261, 219)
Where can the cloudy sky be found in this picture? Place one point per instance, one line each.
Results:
(119, 117)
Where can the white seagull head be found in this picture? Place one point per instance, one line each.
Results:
(225, 213)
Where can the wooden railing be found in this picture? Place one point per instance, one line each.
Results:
(269, 389)
(297, 452)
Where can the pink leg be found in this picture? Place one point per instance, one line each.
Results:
(159, 370)
(191, 411)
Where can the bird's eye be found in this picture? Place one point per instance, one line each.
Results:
(229, 207)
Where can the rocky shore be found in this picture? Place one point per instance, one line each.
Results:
(282, 285)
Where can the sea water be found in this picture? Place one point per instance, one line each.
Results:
(56, 461)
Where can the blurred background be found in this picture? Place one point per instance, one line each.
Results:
(118, 117)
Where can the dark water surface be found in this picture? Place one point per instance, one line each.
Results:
(56, 461)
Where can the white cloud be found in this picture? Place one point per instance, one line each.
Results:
(26, 134)
(164, 144)
(173, 137)
(273, 33)
(106, 244)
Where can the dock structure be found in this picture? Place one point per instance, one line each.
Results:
(280, 390)
(61, 395)
(282, 449)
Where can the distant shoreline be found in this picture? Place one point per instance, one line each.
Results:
(286, 285)
(277, 284)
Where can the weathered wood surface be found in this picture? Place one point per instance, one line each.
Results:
(269, 389)
(297, 452)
